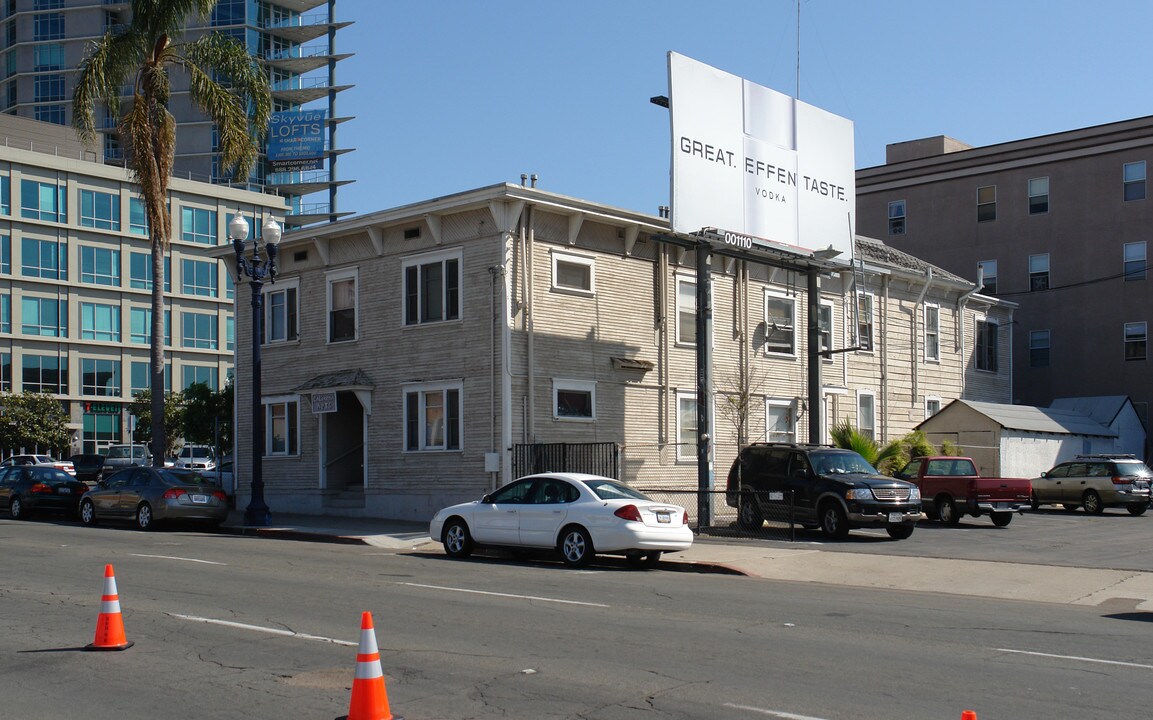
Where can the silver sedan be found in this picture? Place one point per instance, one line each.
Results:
(147, 495)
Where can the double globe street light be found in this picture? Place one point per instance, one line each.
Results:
(256, 268)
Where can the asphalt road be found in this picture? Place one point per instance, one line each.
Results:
(230, 627)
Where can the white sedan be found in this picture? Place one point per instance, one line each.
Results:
(579, 515)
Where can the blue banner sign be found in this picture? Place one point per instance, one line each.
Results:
(296, 140)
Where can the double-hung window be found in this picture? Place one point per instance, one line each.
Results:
(865, 321)
(432, 288)
(932, 333)
(342, 306)
(867, 413)
(43, 201)
(987, 203)
(100, 377)
(780, 329)
(432, 417)
(987, 346)
(100, 210)
(45, 259)
(1039, 348)
(1135, 260)
(1133, 179)
(1039, 196)
(199, 277)
(46, 317)
(99, 265)
(1136, 339)
(1038, 272)
(686, 311)
(198, 330)
(281, 426)
(99, 321)
(686, 425)
(988, 272)
(280, 314)
(897, 217)
(825, 329)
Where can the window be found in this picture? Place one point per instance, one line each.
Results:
(100, 377)
(199, 277)
(686, 426)
(865, 321)
(49, 56)
(780, 333)
(50, 114)
(198, 330)
(99, 322)
(782, 421)
(825, 328)
(43, 201)
(574, 400)
(6, 372)
(229, 332)
(932, 333)
(342, 307)
(100, 210)
(987, 274)
(1039, 348)
(1039, 272)
(48, 26)
(137, 217)
(686, 312)
(141, 379)
(45, 374)
(897, 217)
(432, 289)
(932, 406)
(5, 254)
(5, 313)
(987, 203)
(47, 317)
(140, 321)
(1133, 175)
(48, 88)
(99, 266)
(432, 417)
(198, 374)
(5, 195)
(198, 225)
(1039, 196)
(43, 259)
(986, 346)
(866, 414)
(573, 273)
(100, 430)
(280, 312)
(140, 272)
(281, 427)
(1134, 253)
(1135, 340)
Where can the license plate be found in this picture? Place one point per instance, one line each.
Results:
(896, 517)
(200, 499)
(64, 491)
(1002, 506)
(664, 516)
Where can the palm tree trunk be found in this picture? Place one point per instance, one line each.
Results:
(159, 441)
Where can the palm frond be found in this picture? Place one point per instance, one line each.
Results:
(106, 67)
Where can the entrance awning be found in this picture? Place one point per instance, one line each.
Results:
(354, 381)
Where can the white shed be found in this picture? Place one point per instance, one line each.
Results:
(1114, 411)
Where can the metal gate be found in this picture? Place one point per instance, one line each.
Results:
(593, 458)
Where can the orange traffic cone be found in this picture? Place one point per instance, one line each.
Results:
(109, 626)
(369, 698)
(968, 715)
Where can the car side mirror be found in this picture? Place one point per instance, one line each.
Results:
(486, 500)
(101, 483)
(1045, 474)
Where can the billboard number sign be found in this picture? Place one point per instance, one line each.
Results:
(296, 140)
(757, 164)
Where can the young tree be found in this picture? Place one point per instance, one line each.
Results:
(172, 421)
(34, 421)
(846, 436)
(143, 52)
(208, 415)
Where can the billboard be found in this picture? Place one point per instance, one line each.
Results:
(754, 162)
(296, 140)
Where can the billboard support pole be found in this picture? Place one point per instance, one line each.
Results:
(704, 385)
(814, 354)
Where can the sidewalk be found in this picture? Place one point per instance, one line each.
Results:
(1125, 590)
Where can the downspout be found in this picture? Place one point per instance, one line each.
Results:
(662, 340)
(883, 318)
(530, 353)
(917, 310)
(959, 344)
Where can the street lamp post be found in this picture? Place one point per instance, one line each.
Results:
(257, 269)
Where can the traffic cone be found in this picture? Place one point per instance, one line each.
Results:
(109, 626)
(968, 715)
(369, 698)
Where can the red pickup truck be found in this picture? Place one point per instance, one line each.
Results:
(951, 489)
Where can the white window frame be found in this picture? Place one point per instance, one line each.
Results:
(585, 261)
(683, 313)
(686, 422)
(560, 385)
(929, 403)
(932, 338)
(870, 300)
(774, 435)
(443, 258)
(1140, 336)
(1037, 261)
(822, 331)
(1134, 252)
(779, 296)
(1127, 180)
(868, 429)
(330, 278)
(1044, 180)
(291, 404)
(422, 390)
(282, 287)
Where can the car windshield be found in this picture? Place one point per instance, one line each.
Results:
(613, 490)
(841, 463)
(177, 476)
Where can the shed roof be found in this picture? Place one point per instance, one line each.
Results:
(1039, 419)
(1102, 408)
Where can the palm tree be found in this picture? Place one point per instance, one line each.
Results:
(143, 52)
(846, 436)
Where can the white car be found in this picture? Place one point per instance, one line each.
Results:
(577, 514)
(65, 465)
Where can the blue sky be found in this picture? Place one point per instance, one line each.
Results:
(452, 95)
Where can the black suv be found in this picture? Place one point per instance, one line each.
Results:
(830, 488)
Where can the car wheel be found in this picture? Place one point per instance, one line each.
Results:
(576, 547)
(749, 516)
(643, 560)
(899, 532)
(144, 519)
(834, 524)
(1092, 503)
(1002, 519)
(87, 512)
(947, 511)
(16, 509)
(1033, 503)
(1137, 508)
(456, 539)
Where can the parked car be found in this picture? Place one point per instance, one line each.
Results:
(197, 457)
(576, 514)
(25, 489)
(951, 488)
(1095, 482)
(89, 467)
(122, 456)
(147, 495)
(63, 465)
(819, 487)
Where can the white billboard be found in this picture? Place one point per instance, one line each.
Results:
(758, 163)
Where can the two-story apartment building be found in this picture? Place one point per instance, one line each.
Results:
(411, 355)
(1058, 224)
